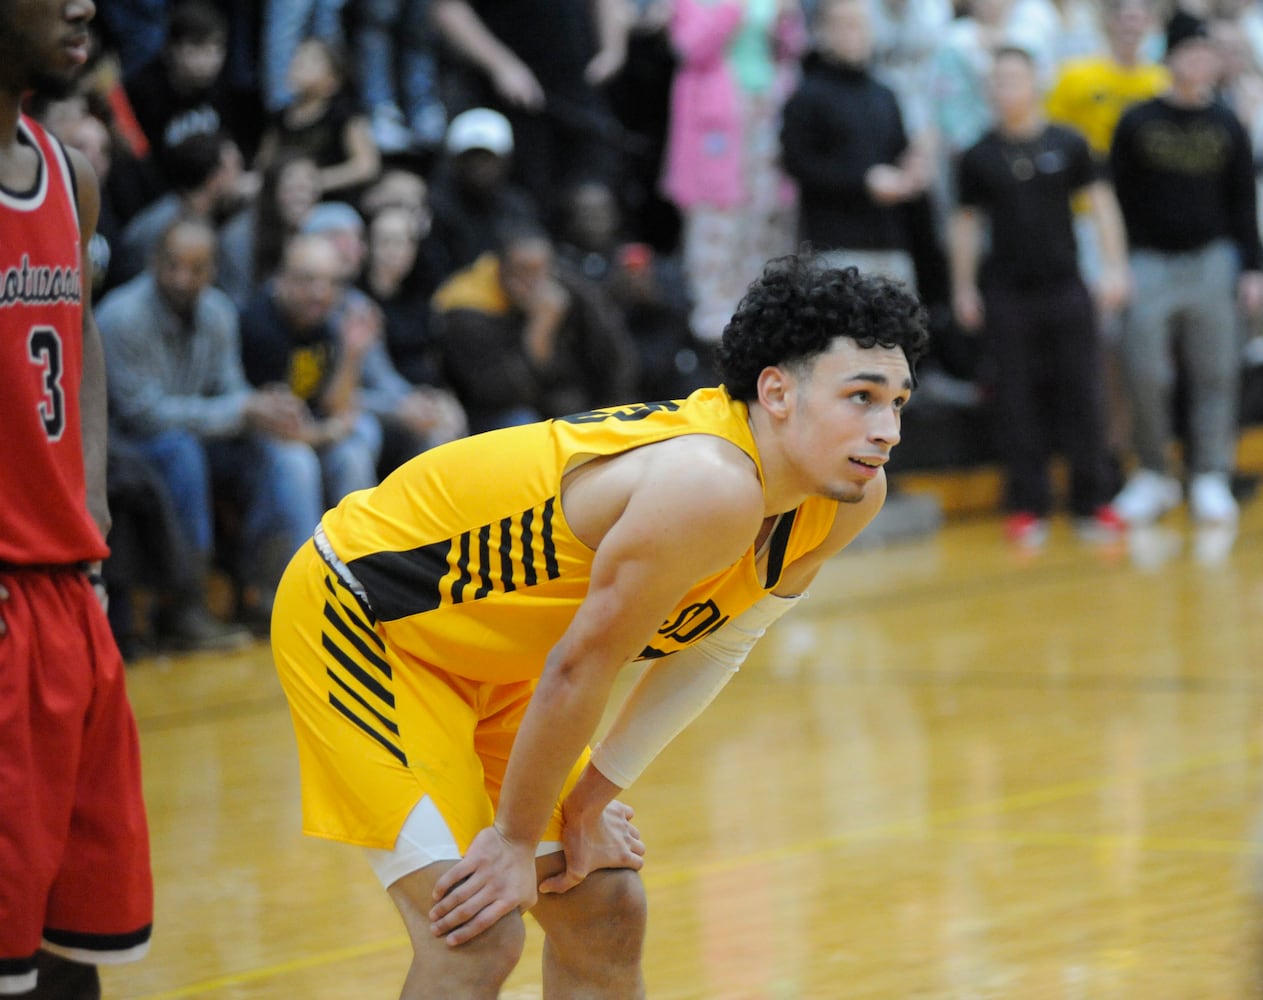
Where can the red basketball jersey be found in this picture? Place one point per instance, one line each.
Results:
(43, 497)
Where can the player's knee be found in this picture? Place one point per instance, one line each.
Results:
(616, 914)
(479, 966)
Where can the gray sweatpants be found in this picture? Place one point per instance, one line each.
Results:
(1187, 299)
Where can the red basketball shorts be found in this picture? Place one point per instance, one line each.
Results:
(74, 845)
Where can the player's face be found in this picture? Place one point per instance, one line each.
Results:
(846, 417)
(43, 43)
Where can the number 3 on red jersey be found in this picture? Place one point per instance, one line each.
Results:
(44, 350)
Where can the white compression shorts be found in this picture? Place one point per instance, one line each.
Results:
(423, 841)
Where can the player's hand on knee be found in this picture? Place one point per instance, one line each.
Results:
(607, 839)
(494, 878)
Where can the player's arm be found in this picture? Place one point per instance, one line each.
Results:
(674, 690)
(691, 511)
(93, 411)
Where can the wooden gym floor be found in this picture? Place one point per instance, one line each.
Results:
(956, 772)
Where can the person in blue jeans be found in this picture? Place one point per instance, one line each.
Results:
(398, 67)
(179, 393)
(295, 336)
(285, 24)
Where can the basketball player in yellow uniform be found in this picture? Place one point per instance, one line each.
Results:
(448, 640)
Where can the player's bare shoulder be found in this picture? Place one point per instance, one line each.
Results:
(692, 477)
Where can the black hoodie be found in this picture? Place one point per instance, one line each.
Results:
(838, 124)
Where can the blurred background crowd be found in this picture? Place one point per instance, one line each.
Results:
(334, 233)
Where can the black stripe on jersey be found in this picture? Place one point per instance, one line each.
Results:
(776, 549)
(356, 671)
(550, 550)
(462, 564)
(403, 583)
(394, 750)
(364, 610)
(506, 555)
(394, 730)
(484, 562)
(360, 645)
(528, 551)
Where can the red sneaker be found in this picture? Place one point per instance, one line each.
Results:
(1103, 527)
(1026, 530)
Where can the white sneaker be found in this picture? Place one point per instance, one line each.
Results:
(1210, 499)
(389, 131)
(1146, 497)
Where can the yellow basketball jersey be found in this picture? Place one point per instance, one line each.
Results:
(468, 563)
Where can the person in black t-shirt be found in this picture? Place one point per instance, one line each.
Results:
(324, 121)
(180, 92)
(1183, 168)
(1029, 300)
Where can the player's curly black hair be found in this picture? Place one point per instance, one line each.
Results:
(799, 305)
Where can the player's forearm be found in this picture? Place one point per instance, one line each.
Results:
(563, 714)
(591, 793)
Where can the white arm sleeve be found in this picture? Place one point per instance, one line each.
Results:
(673, 691)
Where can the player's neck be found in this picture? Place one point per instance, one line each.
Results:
(780, 489)
(10, 109)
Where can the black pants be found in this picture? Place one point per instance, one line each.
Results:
(1044, 368)
(147, 543)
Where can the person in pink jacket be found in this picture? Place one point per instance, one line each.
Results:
(738, 60)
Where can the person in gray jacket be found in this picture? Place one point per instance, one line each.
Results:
(177, 389)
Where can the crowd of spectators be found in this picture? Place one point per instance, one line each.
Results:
(335, 233)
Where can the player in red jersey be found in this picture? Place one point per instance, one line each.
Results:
(75, 883)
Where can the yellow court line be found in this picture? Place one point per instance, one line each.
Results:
(327, 957)
(919, 828)
(1143, 842)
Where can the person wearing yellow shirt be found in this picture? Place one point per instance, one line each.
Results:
(1090, 94)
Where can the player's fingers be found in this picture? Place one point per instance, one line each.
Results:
(486, 918)
(459, 912)
(4, 594)
(453, 877)
(562, 882)
(4, 629)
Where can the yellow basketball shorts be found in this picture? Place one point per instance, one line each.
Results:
(377, 729)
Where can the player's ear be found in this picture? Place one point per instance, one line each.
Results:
(774, 385)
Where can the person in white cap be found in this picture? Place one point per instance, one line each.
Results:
(472, 192)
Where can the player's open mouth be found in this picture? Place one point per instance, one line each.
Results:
(870, 463)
